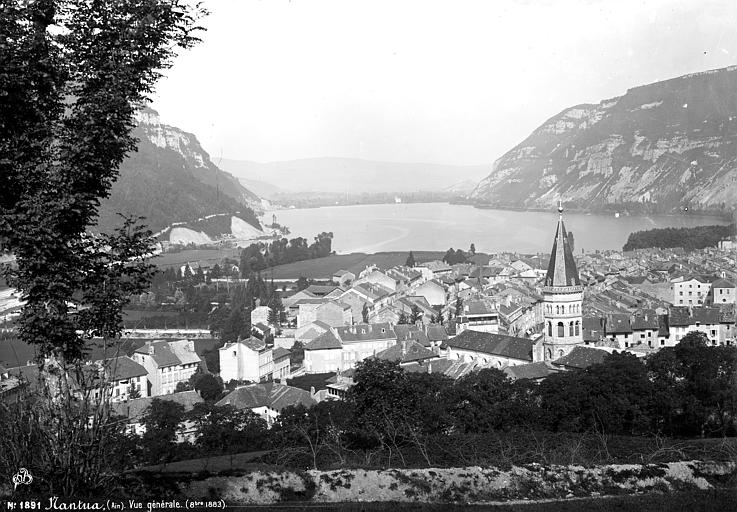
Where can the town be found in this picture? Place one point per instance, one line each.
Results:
(528, 316)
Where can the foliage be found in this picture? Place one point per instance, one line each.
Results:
(689, 238)
(260, 256)
(161, 422)
(410, 260)
(208, 386)
(67, 99)
(226, 429)
(453, 256)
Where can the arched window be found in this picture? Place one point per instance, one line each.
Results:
(550, 354)
(561, 330)
(578, 327)
(557, 310)
(570, 329)
(550, 328)
(560, 353)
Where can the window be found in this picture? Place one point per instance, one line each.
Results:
(561, 330)
(550, 328)
(662, 343)
(578, 328)
(570, 329)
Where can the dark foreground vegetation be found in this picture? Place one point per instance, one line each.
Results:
(688, 238)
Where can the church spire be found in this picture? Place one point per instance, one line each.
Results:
(562, 267)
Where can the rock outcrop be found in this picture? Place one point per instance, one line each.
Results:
(170, 179)
(662, 147)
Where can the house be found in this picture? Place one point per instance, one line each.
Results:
(324, 354)
(535, 372)
(309, 332)
(722, 292)
(407, 352)
(122, 375)
(618, 329)
(645, 326)
(282, 363)
(682, 320)
(343, 278)
(267, 400)
(135, 410)
(341, 348)
(437, 268)
(436, 334)
(334, 313)
(380, 278)
(691, 290)
(433, 292)
(406, 332)
(246, 360)
(489, 348)
(167, 363)
(581, 357)
(478, 315)
(260, 314)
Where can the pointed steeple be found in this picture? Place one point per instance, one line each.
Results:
(562, 267)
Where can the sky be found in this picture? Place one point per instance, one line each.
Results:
(447, 82)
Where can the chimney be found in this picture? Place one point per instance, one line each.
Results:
(312, 390)
(150, 348)
(190, 345)
(404, 348)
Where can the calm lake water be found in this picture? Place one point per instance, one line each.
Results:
(438, 226)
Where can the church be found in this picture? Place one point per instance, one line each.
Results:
(562, 298)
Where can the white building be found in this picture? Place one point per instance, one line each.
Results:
(246, 360)
(168, 363)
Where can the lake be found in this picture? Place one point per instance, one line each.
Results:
(438, 226)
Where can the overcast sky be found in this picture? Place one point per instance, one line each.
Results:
(455, 82)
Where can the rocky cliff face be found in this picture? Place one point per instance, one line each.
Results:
(171, 179)
(661, 147)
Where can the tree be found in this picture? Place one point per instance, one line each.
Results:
(302, 283)
(73, 73)
(410, 260)
(162, 421)
(208, 386)
(67, 100)
(402, 320)
(225, 429)
(415, 314)
(472, 249)
(365, 313)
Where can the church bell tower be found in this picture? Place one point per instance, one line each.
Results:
(562, 298)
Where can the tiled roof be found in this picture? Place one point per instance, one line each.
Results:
(325, 341)
(477, 307)
(136, 408)
(405, 352)
(582, 357)
(645, 319)
(411, 332)
(280, 353)
(494, 344)
(722, 283)
(366, 332)
(272, 395)
(122, 368)
(163, 355)
(531, 371)
(437, 333)
(663, 326)
(706, 315)
(618, 323)
(593, 328)
(679, 316)
(562, 267)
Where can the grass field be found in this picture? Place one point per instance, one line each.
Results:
(324, 268)
(193, 256)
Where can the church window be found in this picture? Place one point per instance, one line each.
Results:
(550, 354)
(561, 330)
(560, 353)
(570, 329)
(550, 328)
(557, 310)
(578, 328)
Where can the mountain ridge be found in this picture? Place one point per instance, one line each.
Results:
(661, 147)
(170, 179)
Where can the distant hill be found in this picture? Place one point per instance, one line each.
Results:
(353, 175)
(662, 147)
(171, 179)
